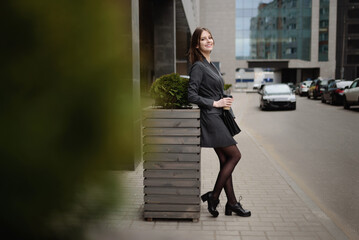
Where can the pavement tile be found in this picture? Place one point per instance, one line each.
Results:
(284, 224)
(252, 233)
(227, 233)
(325, 236)
(280, 238)
(215, 228)
(278, 233)
(238, 228)
(269, 219)
(225, 237)
(306, 238)
(254, 238)
(213, 223)
(188, 227)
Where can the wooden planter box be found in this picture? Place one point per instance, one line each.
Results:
(171, 155)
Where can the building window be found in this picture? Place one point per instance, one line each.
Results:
(353, 28)
(352, 59)
(353, 13)
(323, 30)
(289, 51)
(265, 29)
(353, 44)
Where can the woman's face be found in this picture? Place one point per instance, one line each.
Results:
(205, 42)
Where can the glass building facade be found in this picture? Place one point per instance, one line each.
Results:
(323, 30)
(273, 29)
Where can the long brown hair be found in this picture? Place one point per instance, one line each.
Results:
(193, 52)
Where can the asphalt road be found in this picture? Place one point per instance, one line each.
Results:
(317, 145)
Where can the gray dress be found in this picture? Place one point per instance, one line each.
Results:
(205, 87)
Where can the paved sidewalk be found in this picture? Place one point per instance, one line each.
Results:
(280, 210)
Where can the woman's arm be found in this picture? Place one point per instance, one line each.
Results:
(196, 75)
(195, 81)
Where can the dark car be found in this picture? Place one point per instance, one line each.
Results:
(333, 94)
(317, 87)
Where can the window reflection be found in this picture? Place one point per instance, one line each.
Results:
(323, 30)
(275, 29)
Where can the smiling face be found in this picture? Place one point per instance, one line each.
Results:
(206, 42)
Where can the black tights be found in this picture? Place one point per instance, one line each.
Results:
(228, 158)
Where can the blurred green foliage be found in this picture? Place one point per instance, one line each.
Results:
(227, 86)
(65, 112)
(170, 91)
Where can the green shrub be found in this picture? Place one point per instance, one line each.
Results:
(227, 86)
(170, 91)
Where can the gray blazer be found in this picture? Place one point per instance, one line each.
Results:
(205, 86)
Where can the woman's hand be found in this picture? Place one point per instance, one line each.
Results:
(224, 102)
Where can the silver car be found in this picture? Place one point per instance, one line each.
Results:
(351, 95)
(304, 87)
(277, 96)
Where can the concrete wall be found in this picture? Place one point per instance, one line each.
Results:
(136, 96)
(191, 9)
(327, 69)
(164, 37)
(220, 17)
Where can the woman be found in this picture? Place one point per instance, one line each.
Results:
(206, 90)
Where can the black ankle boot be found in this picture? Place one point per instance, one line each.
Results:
(212, 203)
(237, 208)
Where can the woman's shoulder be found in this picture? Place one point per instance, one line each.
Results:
(198, 65)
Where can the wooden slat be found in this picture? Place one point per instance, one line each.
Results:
(171, 191)
(172, 207)
(169, 157)
(171, 140)
(174, 215)
(172, 131)
(165, 148)
(171, 123)
(159, 199)
(171, 165)
(167, 182)
(171, 113)
(171, 174)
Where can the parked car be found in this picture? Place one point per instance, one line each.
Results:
(256, 86)
(351, 95)
(277, 96)
(317, 87)
(333, 94)
(304, 87)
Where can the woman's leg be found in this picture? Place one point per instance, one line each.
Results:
(228, 186)
(229, 157)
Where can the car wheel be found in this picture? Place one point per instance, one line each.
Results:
(262, 107)
(294, 106)
(308, 96)
(334, 100)
(323, 100)
(345, 103)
